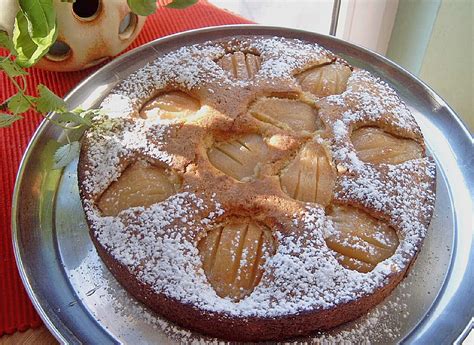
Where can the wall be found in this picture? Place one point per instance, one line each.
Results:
(434, 40)
(367, 23)
(448, 66)
(311, 15)
(411, 32)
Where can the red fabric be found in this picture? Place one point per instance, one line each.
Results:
(16, 310)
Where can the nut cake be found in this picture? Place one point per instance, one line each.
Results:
(256, 188)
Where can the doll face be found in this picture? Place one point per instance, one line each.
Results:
(90, 31)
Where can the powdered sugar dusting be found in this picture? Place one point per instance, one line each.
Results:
(283, 58)
(153, 245)
(194, 66)
(116, 106)
(390, 190)
(159, 243)
(114, 140)
(372, 100)
(187, 66)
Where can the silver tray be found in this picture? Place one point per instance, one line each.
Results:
(81, 302)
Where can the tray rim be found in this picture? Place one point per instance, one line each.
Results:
(56, 331)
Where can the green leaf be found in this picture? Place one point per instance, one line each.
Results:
(6, 120)
(65, 154)
(71, 117)
(6, 42)
(181, 3)
(142, 7)
(28, 51)
(78, 116)
(11, 68)
(48, 101)
(89, 115)
(19, 103)
(41, 17)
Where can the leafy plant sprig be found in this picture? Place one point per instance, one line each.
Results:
(45, 103)
(34, 32)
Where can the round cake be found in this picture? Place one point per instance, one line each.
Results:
(256, 188)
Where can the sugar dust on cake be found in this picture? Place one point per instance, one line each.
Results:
(256, 188)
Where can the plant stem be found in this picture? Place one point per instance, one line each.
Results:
(21, 90)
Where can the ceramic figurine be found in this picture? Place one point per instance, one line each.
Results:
(89, 31)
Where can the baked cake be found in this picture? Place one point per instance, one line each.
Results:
(256, 188)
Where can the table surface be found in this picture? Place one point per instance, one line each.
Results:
(41, 336)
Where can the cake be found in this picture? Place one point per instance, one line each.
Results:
(256, 188)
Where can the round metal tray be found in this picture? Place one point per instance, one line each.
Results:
(81, 302)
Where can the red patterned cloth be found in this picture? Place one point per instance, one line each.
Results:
(16, 310)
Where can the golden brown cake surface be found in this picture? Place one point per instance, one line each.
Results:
(256, 188)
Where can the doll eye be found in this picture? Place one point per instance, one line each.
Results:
(86, 9)
(127, 26)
